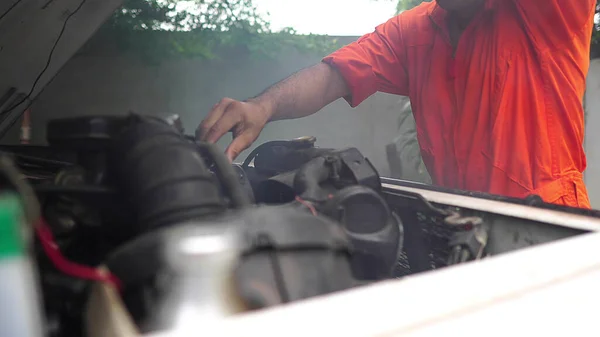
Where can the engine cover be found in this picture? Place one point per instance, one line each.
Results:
(344, 186)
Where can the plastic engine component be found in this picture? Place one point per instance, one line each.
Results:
(345, 186)
(290, 255)
(162, 175)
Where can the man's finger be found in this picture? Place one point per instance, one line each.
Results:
(239, 144)
(212, 118)
(221, 127)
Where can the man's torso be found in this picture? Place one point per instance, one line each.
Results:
(501, 113)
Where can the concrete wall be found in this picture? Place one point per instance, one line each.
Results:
(98, 83)
(110, 83)
(592, 139)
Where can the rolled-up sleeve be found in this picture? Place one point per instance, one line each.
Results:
(375, 62)
(557, 22)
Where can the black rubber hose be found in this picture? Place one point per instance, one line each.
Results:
(227, 175)
(261, 147)
(309, 177)
(162, 175)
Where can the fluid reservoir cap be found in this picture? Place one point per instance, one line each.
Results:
(305, 141)
(176, 122)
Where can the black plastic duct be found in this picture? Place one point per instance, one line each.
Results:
(162, 175)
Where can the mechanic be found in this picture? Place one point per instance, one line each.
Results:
(496, 88)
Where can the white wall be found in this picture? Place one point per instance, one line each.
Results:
(101, 83)
(592, 137)
(98, 83)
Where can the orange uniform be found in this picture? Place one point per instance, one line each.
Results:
(502, 113)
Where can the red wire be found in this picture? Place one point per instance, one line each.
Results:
(307, 204)
(70, 268)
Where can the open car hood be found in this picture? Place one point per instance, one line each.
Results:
(29, 31)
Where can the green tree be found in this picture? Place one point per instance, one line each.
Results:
(156, 29)
(190, 15)
(161, 29)
(407, 4)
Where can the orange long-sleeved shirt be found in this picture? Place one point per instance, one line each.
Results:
(502, 115)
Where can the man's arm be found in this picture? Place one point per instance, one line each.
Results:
(374, 63)
(555, 23)
(303, 93)
(299, 95)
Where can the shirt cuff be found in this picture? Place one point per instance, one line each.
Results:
(358, 76)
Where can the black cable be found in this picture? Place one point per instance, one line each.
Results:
(227, 176)
(41, 161)
(10, 9)
(11, 174)
(6, 113)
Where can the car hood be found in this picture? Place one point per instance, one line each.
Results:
(31, 52)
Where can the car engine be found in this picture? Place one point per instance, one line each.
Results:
(126, 194)
(132, 218)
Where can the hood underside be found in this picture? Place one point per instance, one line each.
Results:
(37, 37)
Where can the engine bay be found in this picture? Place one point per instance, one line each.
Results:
(128, 210)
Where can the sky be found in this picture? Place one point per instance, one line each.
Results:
(328, 17)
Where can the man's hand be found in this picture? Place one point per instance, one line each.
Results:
(299, 95)
(244, 119)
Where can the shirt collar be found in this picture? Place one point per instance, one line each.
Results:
(438, 14)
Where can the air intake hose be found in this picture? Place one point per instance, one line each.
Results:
(162, 175)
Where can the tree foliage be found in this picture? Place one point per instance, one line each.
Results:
(407, 4)
(190, 15)
(177, 28)
(596, 34)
